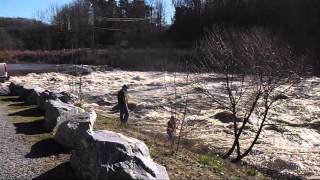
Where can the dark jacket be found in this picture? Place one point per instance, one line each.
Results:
(122, 98)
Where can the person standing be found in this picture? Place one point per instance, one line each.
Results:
(123, 104)
(171, 130)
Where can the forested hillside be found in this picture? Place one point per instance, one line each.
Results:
(139, 24)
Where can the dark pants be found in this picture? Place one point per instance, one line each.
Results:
(124, 114)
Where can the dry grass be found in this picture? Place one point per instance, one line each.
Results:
(144, 59)
(188, 163)
(58, 56)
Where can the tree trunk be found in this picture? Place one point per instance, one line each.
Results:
(236, 139)
(255, 139)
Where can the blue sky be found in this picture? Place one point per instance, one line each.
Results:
(169, 10)
(29, 8)
(26, 8)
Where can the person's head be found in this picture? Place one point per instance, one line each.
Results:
(125, 87)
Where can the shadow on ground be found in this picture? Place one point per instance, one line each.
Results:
(62, 171)
(46, 148)
(32, 112)
(30, 128)
(21, 104)
(12, 99)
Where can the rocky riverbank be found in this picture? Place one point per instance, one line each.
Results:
(289, 144)
(122, 157)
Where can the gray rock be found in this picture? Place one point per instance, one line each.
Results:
(25, 92)
(57, 112)
(315, 125)
(131, 106)
(101, 68)
(107, 155)
(70, 132)
(44, 97)
(34, 96)
(48, 95)
(100, 100)
(280, 164)
(66, 97)
(4, 90)
(78, 70)
(29, 93)
(277, 128)
(15, 89)
(280, 97)
(226, 117)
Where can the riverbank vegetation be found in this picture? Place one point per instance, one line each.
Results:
(187, 164)
(126, 30)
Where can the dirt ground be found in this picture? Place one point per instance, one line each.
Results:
(27, 151)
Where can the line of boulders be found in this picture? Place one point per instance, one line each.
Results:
(95, 154)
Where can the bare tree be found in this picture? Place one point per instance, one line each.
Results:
(178, 99)
(48, 15)
(159, 13)
(256, 69)
(183, 111)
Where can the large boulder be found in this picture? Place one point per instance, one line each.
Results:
(107, 155)
(29, 93)
(44, 97)
(66, 97)
(48, 95)
(226, 117)
(26, 91)
(4, 89)
(15, 89)
(71, 131)
(57, 112)
(34, 95)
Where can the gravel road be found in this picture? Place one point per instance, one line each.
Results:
(15, 162)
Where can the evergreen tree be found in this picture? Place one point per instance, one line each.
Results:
(123, 7)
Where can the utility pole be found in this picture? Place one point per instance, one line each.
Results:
(91, 23)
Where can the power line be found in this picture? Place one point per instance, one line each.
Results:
(122, 19)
